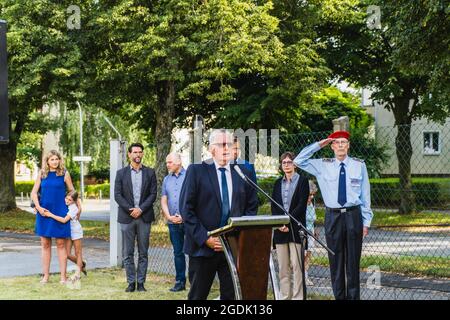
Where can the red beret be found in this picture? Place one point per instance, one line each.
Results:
(339, 134)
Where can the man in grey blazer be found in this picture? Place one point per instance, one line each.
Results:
(135, 193)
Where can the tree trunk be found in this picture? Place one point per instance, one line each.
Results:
(163, 133)
(404, 153)
(7, 188)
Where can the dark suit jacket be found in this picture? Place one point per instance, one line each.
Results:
(200, 204)
(297, 209)
(250, 168)
(123, 194)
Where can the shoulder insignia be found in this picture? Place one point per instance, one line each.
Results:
(357, 159)
(328, 159)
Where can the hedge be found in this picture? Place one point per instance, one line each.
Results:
(91, 191)
(428, 192)
(385, 192)
(24, 186)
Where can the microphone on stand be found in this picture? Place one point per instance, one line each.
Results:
(255, 186)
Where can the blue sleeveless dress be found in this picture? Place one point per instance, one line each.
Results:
(53, 193)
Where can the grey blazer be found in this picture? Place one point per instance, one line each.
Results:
(123, 194)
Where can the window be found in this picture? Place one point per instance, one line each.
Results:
(431, 143)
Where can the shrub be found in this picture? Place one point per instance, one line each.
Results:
(24, 186)
(428, 192)
(93, 191)
(267, 185)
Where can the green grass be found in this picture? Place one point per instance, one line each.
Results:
(100, 284)
(417, 266)
(384, 218)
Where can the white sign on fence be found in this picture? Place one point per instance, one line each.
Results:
(82, 158)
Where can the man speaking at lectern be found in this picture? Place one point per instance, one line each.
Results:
(212, 192)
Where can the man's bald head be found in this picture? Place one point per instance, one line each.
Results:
(173, 162)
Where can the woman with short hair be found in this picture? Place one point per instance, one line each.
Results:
(292, 191)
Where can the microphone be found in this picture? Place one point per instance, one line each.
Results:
(255, 186)
(240, 173)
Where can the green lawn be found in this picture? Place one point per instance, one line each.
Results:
(100, 284)
(417, 266)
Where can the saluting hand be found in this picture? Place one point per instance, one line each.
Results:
(325, 142)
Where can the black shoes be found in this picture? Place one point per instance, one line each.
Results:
(179, 286)
(131, 287)
(140, 287)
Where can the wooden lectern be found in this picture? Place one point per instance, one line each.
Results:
(247, 242)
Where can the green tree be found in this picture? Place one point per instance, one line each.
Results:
(167, 59)
(405, 62)
(281, 98)
(43, 63)
(96, 137)
(331, 103)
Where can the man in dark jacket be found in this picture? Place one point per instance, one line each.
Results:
(135, 193)
(212, 192)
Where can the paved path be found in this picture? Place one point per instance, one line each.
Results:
(378, 242)
(20, 255)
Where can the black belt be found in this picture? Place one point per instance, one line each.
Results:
(342, 210)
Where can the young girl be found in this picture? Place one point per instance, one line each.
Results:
(76, 233)
(310, 219)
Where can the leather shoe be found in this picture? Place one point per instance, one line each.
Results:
(178, 287)
(131, 287)
(140, 287)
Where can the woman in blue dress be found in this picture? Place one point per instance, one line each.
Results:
(52, 184)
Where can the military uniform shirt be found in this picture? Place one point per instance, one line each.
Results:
(327, 174)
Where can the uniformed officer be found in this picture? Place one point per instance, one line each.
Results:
(344, 184)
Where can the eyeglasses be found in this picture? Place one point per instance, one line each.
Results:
(287, 163)
(340, 142)
(223, 144)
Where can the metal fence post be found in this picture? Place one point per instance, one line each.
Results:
(117, 157)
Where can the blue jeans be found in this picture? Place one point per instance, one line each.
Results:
(177, 238)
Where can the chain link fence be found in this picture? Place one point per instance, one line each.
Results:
(405, 256)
